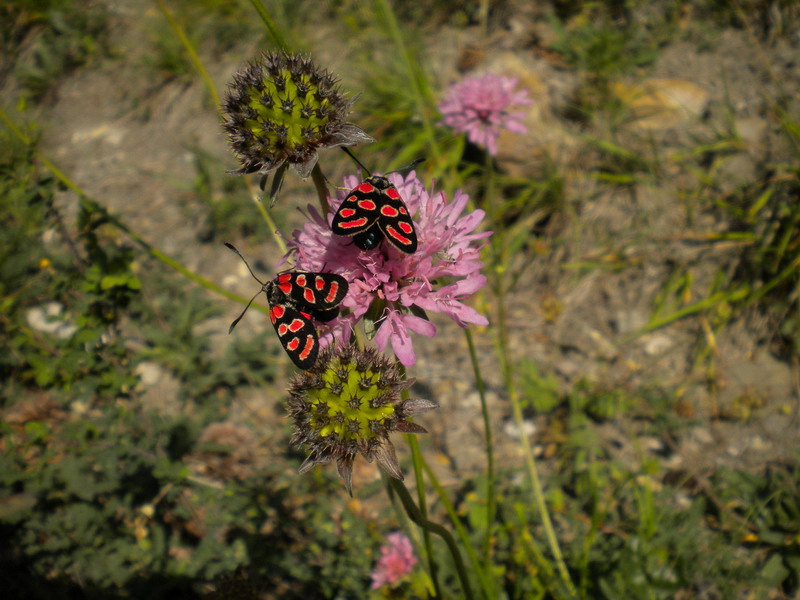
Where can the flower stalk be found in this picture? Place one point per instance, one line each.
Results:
(413, 511)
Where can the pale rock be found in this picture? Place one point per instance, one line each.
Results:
(656, 344)
(661, 103)
(46, 318)
(511, 429)
(149, 373)
(702, 436)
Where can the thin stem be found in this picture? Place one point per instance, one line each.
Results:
(416, 515)
(277, 38)
(252, 190)
(491, 502)
(193, 57)
(417, 460)
(416, 457)
(497, 247)
(484, 575)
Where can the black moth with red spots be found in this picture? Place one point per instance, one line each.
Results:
(374, 210)
(295, 298)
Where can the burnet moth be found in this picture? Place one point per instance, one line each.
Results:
(295, 298)
(374, 210)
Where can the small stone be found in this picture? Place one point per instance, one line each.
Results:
(149, 373)
(512, 430)
(662, 103)
(656, 344)
(702, 435)
(47, 319)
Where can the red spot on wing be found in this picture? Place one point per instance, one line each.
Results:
(396, 235)
(282, 329)
(276, 312)
(365, 188)
(307, 348)
(308, 296)
(296, 325)
(301, 280)
(405, 226)
(393, 193)
(354, 223)
(351, 198)
(285, 287)
(285, 278)
(403, 210)
(332, 292)
(319, 283)
(293, 344)
(306, 315)
(389, 211)
(346, 212)
(367, 204)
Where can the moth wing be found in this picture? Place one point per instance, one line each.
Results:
(359, 210)
(296, 334)
(314, 291)
(395, 222)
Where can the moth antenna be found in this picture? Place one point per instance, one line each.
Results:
(409, 167)
(239, 318)
(365, 170)
(232, 248)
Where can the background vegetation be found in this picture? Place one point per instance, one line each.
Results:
(144, 453)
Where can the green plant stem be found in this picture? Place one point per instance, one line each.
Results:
(274, 32)
(491, 502)
(264, 214)
(92, 205)
(416, 457)
(496, 245)
(484, 575)
(416, 515)
(193, 56)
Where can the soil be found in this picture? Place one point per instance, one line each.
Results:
(125, 136)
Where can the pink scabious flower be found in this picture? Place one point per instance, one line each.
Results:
(399, 284)
(397, 559)
(479, 105)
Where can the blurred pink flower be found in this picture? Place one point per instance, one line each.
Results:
(447, 250)
(479, 105)
(397, 559)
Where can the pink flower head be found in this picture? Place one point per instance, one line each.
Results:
(479, 105)
(400, 283)
(397, 559)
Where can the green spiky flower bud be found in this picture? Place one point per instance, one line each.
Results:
(347, 404)
(281, 109)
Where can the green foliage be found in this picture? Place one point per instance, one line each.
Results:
(539, 392)
(593, 43)
(96, 487)
(61, 34)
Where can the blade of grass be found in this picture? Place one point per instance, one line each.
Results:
(273, 30)
(193, 57)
